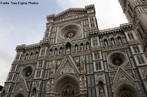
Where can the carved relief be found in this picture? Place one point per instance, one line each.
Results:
(67, 69)
(36, 84)
(122, 78)
(82, 64)
(53, 67)
(144, 73)
(50, 86)
(100, 78)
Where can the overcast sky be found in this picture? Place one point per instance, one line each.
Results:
(25, 24)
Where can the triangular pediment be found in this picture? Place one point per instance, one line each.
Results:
(21, 87)
(71, 12)
(67, 66)
(122, 77)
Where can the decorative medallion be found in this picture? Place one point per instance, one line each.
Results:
(117, 59)
(72, 32)
(122, 78)
(27, 71)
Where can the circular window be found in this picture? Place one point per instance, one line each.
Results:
(27, 71)
(117, 59)
(70, 34)
(71, 31)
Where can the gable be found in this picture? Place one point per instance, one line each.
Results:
(67, 66)
(122, 77)
(69, 13)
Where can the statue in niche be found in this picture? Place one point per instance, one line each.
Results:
(50, 86)
(76, 48)
(53, 67)
(87, 45)
(68, 50)
(144, 73)
(68, 47)
(83, 81)
(82, 64)
(102, 94)
(112, 41)
(101, 89)
(56, 52)
(82, 47)
(61, 50)
(105, 42)
(119, 40)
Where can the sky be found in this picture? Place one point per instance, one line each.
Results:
(26, 24)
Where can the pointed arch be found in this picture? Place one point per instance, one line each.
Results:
(20, 95)
(76, 47)
(81, 46)
(126, 89)
(64, 81)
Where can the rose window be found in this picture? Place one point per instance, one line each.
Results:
(117, 59)
(27, 71)
(70, 34)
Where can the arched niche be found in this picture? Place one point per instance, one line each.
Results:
(68, 47)
(126, 90)
(67, 85)
(20, 95)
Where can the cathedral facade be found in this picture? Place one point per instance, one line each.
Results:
(76, 59)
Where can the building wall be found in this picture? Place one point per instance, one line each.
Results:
(76, 59)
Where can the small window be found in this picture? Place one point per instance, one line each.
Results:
(92, 25)
(43, 51)
(17, 56)
(86, 34)
(14, 67)
(96, 55)
(136, 49)
(38, 73)
(10, 77)
(40, 64)
(46, 34)
(98, 66)
(140, 59)
(95, 42)
(91, 19)
(85, 22)
(130, 35)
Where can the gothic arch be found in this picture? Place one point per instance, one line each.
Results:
(126, 89)
(64, 81)
(20, 95)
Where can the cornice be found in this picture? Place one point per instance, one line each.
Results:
(55, 18)
(121, 28)
(26, 47)
(45, 41)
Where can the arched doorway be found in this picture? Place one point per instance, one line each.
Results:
(68, 91)
(126, 91)
(67, 86)
(19, 95)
